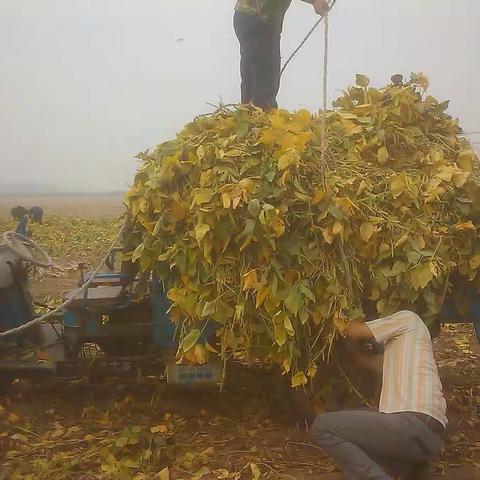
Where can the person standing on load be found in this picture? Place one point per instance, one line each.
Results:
(406, 434)
(258, 25)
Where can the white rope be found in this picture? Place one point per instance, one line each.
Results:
(309, 34)
(325, 87)
(69, 300)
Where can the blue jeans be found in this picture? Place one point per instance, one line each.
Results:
(260, 60)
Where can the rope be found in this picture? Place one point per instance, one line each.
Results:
(309, 34)
(325, 80)
(69, 300)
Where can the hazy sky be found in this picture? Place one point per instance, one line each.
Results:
(86, 84)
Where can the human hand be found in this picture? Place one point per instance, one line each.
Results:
(321, 7)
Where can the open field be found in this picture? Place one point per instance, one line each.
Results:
(116, 431)
(84, 206)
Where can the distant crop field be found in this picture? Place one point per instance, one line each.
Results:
(82, 206)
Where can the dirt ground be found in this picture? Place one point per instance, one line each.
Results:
(84, 206)
(76, 430)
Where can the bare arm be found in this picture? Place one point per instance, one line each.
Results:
(358, 332)
(320, 6)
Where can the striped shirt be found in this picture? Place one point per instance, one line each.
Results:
(410, 377)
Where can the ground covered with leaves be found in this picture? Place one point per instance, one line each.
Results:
(147, 431)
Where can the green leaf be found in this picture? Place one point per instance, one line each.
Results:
(421, 276)
(366, 231)
(190, 340)
(137, 253)
(294, 301)
(280, 332)
(209, 308)
(201, 230)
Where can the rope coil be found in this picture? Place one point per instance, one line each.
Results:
(68, 301)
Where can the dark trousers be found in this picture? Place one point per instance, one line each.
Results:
(359, 441)
(260, 60)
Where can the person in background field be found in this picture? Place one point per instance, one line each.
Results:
(258, 26)
(36, 215)
(18, 212)
(405, 435)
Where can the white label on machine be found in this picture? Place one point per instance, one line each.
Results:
(210, 373)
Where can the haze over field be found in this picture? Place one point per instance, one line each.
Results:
(85, 85)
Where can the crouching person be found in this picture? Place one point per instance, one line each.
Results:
(406, 434)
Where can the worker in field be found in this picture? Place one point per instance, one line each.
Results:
(258, 25)
(36, 214)
(406, 434)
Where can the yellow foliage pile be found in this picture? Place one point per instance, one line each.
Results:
(250, 226)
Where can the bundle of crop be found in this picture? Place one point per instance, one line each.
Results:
(280, 230)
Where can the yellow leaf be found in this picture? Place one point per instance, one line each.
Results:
(474, 262)
(280, 333)
(299, 379)
(445, 173)
(235, 153)
(291, 158)
(178, 211)
(159, 429)
(209, 348)
(13, 419)
(286, 365)
(303, 117)
(199, 474)
(327, 235)
(459, 178)
(197, 355)
(249, 279)
(337, 228)
(287, 323)
(262, 294)
(226, 201)
(278, 227)
(268, 138)
(312, 371)
(256, 473)
(202, 195)
(465, 226)
(236, 201)
(366, 231)
(398, 185)
(421, 276)
(277, 120)
(318, 197)
(465, 160)
(200, 152)
(289, 141)
(382, 155)
(401, 241)
(163, 474)
(221, 474)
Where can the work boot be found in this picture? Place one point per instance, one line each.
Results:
(422, 471)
